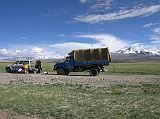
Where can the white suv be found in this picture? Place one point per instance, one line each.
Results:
(17, 66)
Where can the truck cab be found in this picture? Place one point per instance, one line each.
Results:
(65, 66)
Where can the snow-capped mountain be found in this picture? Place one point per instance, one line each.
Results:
(140, 49)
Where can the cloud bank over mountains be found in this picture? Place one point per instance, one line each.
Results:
(34, 53)
(59, 50)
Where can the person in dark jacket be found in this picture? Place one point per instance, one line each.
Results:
(38, 66)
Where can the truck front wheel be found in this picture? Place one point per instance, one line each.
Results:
(66, 72)
(94, 72)
(60, 71)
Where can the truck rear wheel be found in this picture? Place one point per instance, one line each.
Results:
(60, 71)
(94, 72)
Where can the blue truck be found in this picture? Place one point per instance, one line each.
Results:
(92, 60)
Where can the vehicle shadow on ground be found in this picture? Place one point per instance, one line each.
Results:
(70, 75)
(78, 75)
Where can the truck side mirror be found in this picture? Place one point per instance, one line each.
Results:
(67, 59)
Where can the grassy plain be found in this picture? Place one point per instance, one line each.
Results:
(116, 101)
(142, 68)
(83, 102)
(3, 65)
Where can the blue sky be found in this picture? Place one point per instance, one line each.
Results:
(51, 28)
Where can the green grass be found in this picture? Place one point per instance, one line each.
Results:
(3, 65)
(83, 102)
(146, 68)
(47, 66)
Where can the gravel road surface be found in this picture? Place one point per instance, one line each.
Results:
(99, 81)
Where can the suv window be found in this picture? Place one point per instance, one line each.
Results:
(21, 62)
(26, 62)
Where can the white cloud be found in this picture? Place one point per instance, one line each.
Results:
(106, 40)
(64, 48)
(37, 50)
(71, 45)
(33, 53)
(102, 40)
(156, 30)
(98, 5)
(83, 1)
(121, 14)
(155, 39)
(102, 5)
(3, 52)
(58, 50)
(147, 25)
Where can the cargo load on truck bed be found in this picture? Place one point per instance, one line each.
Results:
(91, 54)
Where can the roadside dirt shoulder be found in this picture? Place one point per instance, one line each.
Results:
(100, 81)
(4, 114)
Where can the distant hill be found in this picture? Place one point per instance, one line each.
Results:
(121, 57)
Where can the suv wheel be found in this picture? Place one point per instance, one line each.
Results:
(8, 70)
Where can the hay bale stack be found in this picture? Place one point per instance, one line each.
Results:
(105, 54)
(86, 55)
(91, 54)
(78, 55)
(95, 54)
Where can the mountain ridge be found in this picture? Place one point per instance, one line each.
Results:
(139, 49)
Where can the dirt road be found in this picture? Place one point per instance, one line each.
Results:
(99, 81)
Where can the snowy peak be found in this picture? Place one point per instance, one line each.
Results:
(139, 49)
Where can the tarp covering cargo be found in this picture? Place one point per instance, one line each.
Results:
(91, 54)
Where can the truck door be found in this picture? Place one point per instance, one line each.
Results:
(69, 63)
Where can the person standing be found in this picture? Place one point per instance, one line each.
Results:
(38, 66)
(25, 66)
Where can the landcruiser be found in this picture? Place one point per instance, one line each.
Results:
(17, 66)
